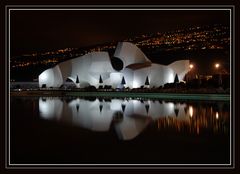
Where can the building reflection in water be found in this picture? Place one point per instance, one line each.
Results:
(131, 116)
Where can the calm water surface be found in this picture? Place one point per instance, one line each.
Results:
(103, 131)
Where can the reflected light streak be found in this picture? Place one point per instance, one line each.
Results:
(170, 107)
(116, 105)
(133, 119)
(191, 111)
(217, 115)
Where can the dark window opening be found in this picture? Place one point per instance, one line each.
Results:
(117, 63)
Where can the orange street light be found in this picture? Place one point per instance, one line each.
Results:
(217, 65)
(191, 66)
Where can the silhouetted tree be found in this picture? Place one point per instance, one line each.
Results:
(147, 81)
(176, 79)
(123, 81)
(100, 79)
(123, 107)
(77, 80)
(100, 108)
(176, 111)
(147, 108)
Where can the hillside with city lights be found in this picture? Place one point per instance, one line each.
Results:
(207, 47)
(199, 42)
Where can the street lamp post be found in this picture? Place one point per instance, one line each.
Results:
(191, 66)
(190, 73)
(217, 67)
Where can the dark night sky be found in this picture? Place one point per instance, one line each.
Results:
(36, 30)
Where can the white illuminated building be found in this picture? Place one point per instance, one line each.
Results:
(88, 69)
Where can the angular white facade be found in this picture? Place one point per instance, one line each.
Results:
(95, 69)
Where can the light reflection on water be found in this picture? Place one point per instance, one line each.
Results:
(130, 117)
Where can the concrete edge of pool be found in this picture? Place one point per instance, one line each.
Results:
(150, 95)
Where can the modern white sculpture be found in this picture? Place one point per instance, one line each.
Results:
(96, 69)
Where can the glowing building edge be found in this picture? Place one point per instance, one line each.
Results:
(96, 69)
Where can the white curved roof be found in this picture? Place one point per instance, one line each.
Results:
(130, 54)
